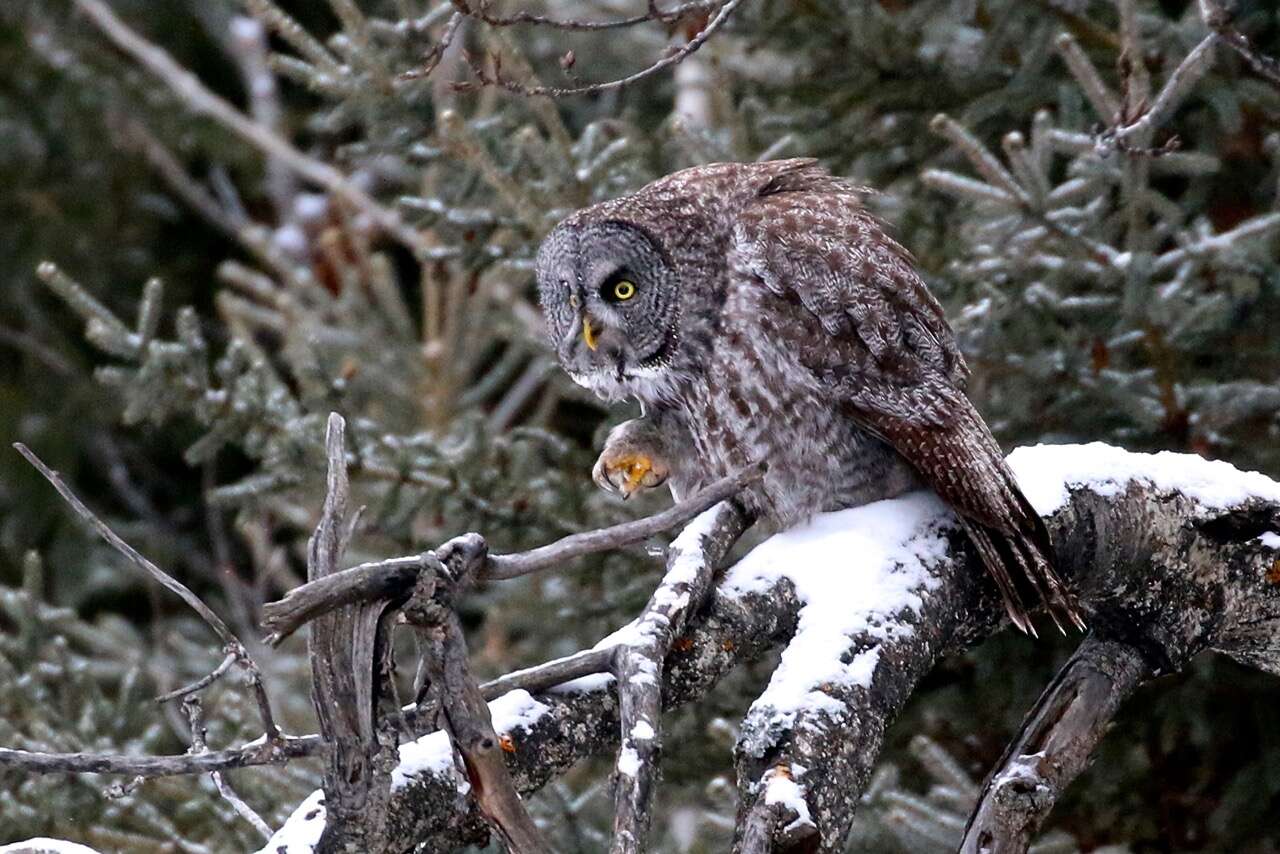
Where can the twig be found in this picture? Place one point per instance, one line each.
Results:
(1217, 19)
(230, 642)
(262, 753)
(556, 672)
(201, 683)
(195, 717)
(438, 51)
(618, 536)
(1053, 745)
(1193, 66)
(203, 101)
(496, 78)
(389, 578)
(524, 17)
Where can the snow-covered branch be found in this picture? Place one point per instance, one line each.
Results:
(1171, 554)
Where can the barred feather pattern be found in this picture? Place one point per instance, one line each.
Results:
(793, 329)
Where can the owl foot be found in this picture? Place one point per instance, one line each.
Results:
(629, 472)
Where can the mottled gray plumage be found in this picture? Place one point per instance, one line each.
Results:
(758, 311)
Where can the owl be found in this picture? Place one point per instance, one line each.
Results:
(758, 311)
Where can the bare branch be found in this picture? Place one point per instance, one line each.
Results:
(195, 719)
(618, 536)
(262, 753)
(1053, 746)
(495, 77)
(201, 683)
(524, 17)
(639, 666)
(1218, 19)
(465, 712)
(389, 578)
(1193, 66)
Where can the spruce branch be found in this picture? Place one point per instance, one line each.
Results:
(201, 100)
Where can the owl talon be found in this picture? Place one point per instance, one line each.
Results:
(627, 474)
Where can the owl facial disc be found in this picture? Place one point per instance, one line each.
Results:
(610, 298)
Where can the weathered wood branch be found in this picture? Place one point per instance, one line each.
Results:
(393, 578)
(1166, 568)
(639, 662)
(235, 651)
(1053, 746)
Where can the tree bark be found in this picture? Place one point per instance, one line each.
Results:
(1162, 575)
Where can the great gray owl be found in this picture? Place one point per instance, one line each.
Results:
(757, 311)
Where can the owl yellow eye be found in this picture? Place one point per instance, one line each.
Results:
(623, 290)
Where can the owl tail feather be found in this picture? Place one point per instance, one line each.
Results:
(1021, 565)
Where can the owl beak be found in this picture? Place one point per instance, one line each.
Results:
(589, 334)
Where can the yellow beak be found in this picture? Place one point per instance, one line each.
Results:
(588, 334)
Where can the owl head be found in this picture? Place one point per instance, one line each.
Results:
(611, 298)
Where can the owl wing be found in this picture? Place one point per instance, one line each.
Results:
(874, 336)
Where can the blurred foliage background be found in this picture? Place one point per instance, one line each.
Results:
(209, 307)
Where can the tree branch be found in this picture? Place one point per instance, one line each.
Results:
(1179, 570)
(393, 578)
(1053, 745)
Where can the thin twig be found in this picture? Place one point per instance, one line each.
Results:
(496, 78)
(195, 718)
(438, 51)
(1219, 20)
(1193, 66)
(230, 642)
(261, 753)
(587, 662)
(201, 683)
(524, 17)
(394, 577)
(618, 536)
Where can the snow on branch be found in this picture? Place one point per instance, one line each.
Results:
(1171, 554)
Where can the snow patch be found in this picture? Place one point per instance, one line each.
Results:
(432, 755)
(1270, 540)
(642, 731)
(855, 571)
(45, 845)
(628, 761)
(782, 789)
(301, 831)
(1047, 473)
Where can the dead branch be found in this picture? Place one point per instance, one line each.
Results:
(1053, 746)
(638, 666)
(231, 644)
(463, 708)
(392, 578)
(1173, 574)
(1218, 19)
(344, 647)
(36, 762)
(195, 720)
(494, 77)
(654, 13)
